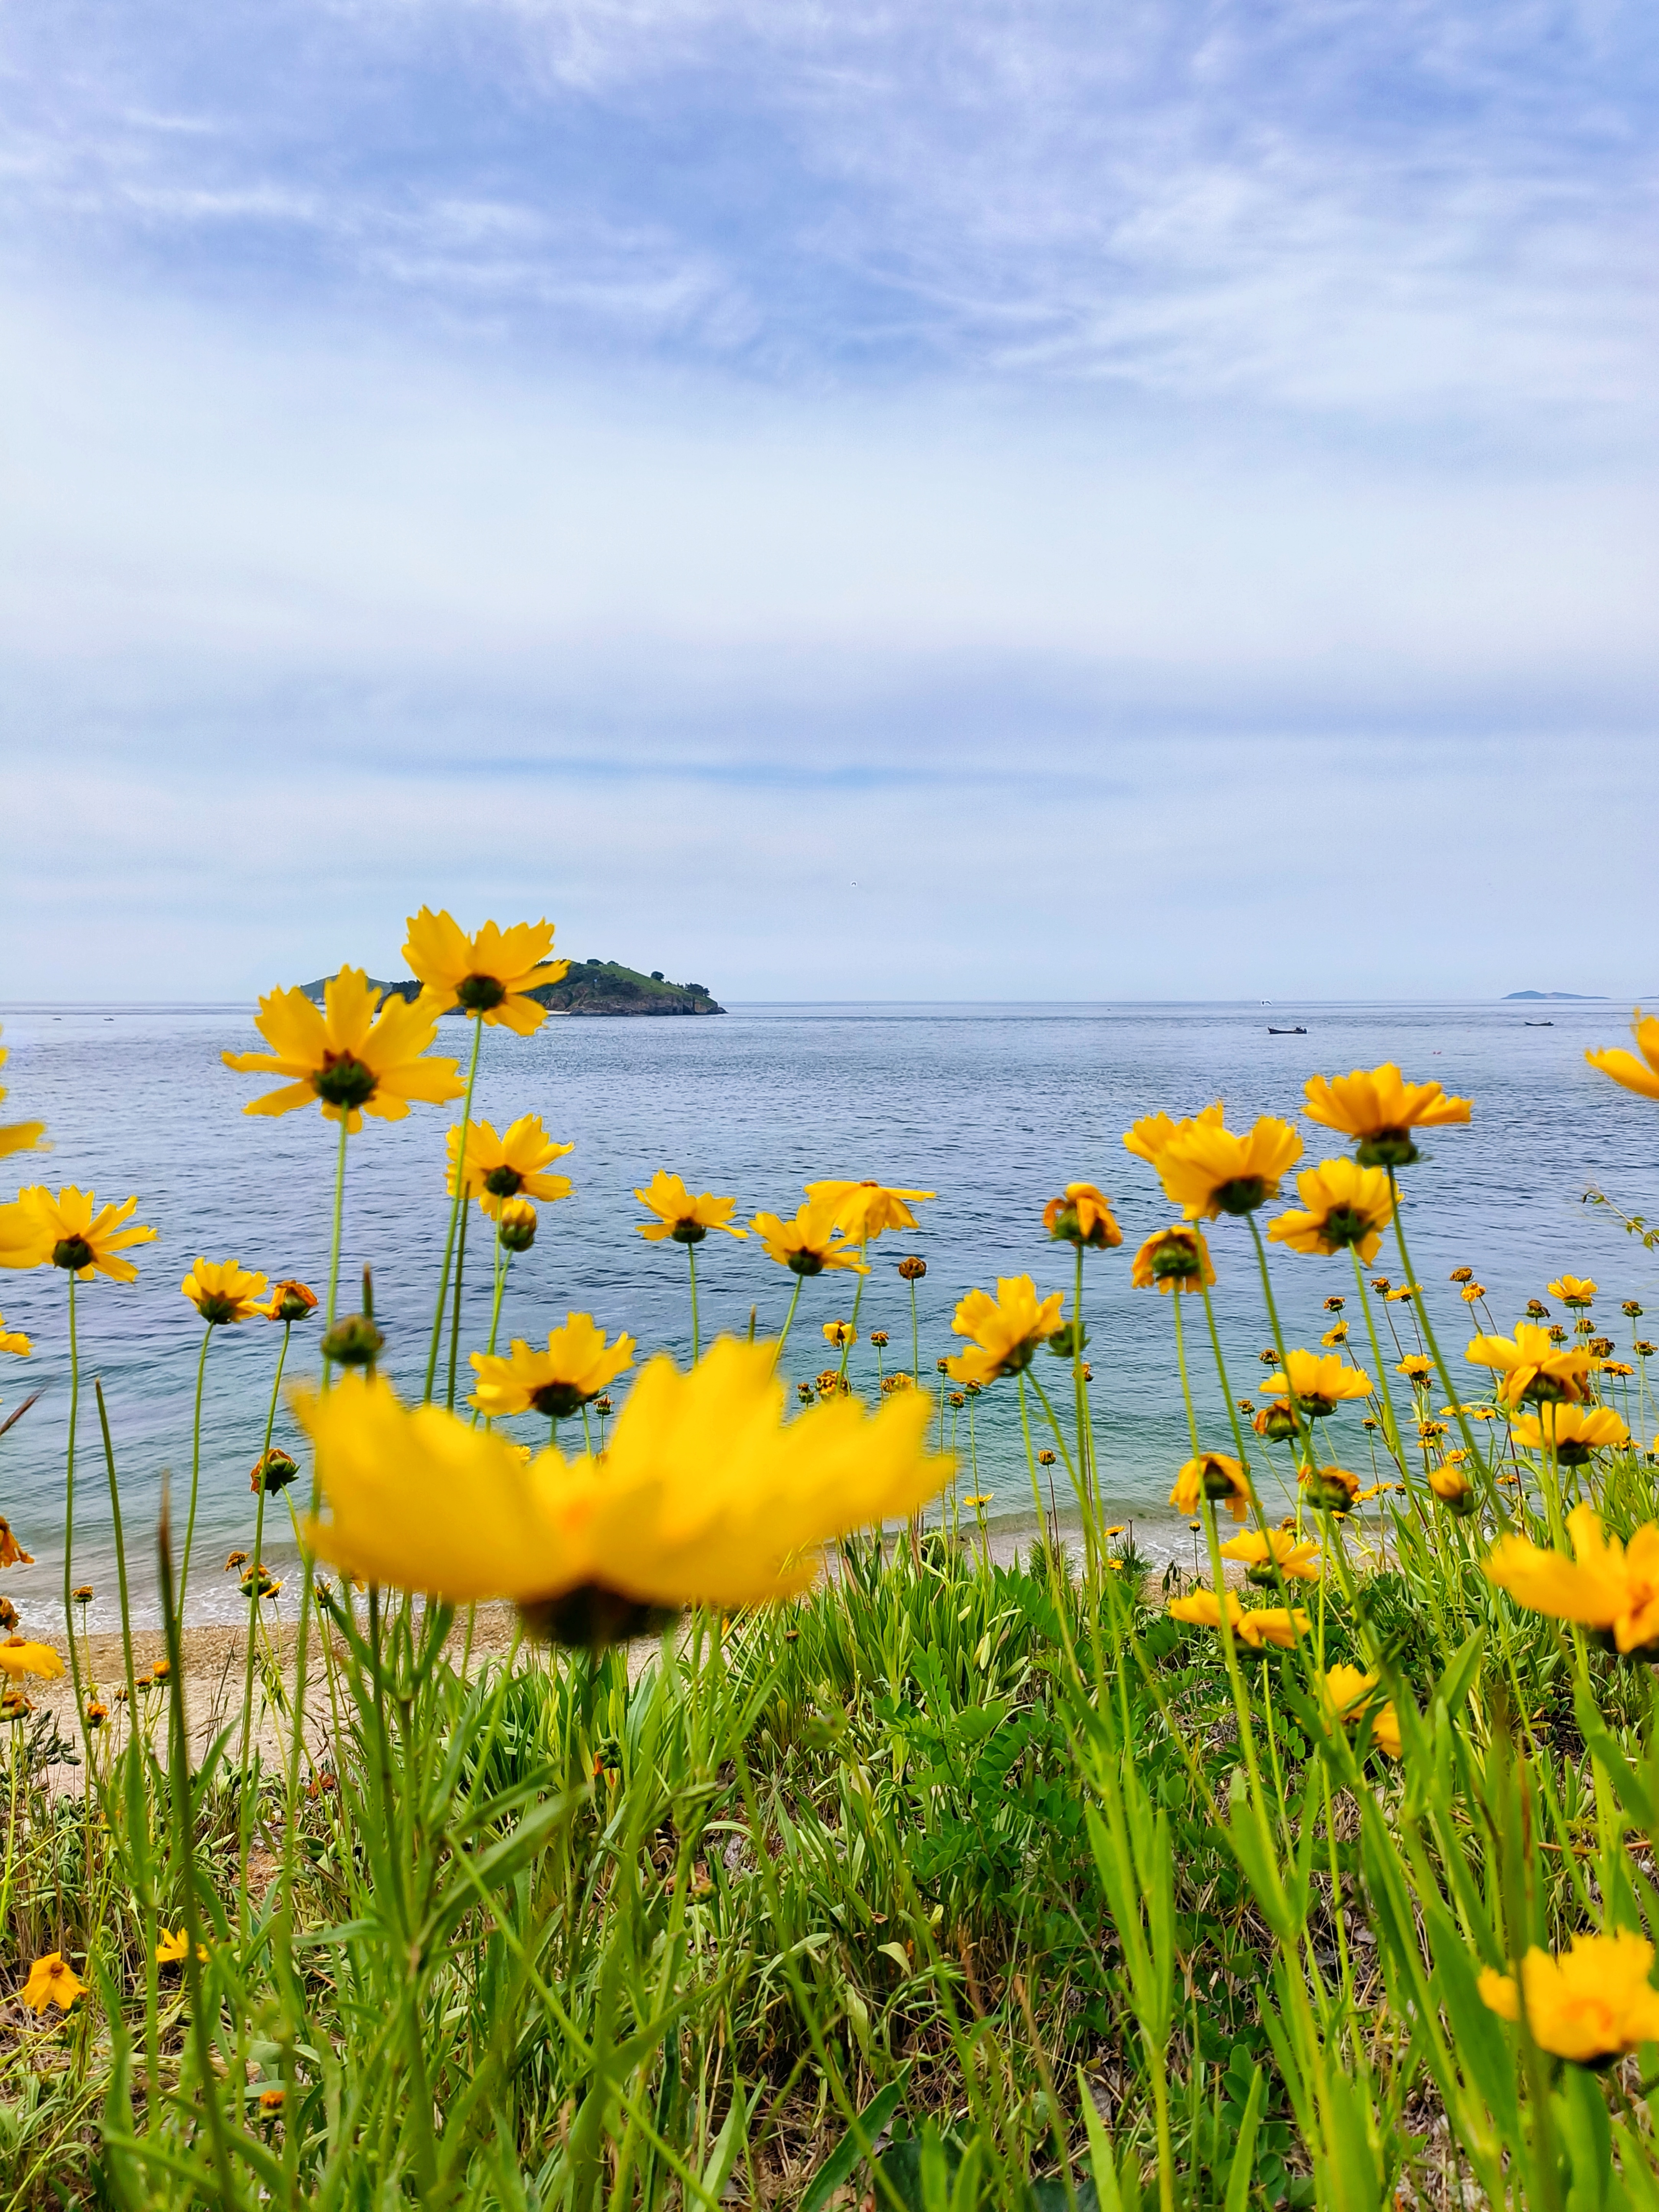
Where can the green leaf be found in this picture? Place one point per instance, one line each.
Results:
(839, 2164)
(1243, 2170)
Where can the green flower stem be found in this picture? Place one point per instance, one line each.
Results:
(1454, 1397)
(858, 1300)
(455, 1204)
(1185, 1386)
(1228, 1399)
(696, 1333)
(1390, 1424)
(120, 1559)
(195, 1467)
(455, 1313)
(788, 1322)
(243, 1821)
(68, 1545)
(915, 1338)
(334, 1247)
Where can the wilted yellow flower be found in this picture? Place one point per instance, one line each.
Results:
(1577, 1432)
(14, 1341)
(1279, 1552)
(12, 1553)
(1343, 1207)
(1533, 1368)
(508, 1166)
(840, 1333)
(1147, 1138)
(344, 1054)
(1082, 1215)
(70, 1230)
(51, 1981)
(1472, 1293)
(576, 1366)
(1624, 1067)
(1589, 2004)
(686, 1219)
(223, 1290)
(1607, 1586)
(1346, 1694)
(1006, 1330)
(1207, 1170)
(1576, 1292)
(1214, 1476)
(1382, 1111)
(703, 1495)
(486, 975)
(1320, 1382)
(18, 1657)
(289, 1300)
(17, 1136)
(862, 1211)
(1175, 1258)
(810, 1242)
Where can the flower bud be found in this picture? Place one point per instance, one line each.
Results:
(354, 1341)
(516, 1226)
(273, 1471)
(912, 1270)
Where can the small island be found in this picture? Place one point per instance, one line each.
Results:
(590, 987)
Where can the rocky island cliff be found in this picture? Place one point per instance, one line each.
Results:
(590, 987)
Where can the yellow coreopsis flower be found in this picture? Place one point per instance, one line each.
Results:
(19, 1657)
(1533, 1368)
(686, 1219)
(1346, 1695)
(507, 1166)
(12, 1553)
(1624, 1067)
(71, 1230)
(1416, 1367)
(1214, 1476)
(1576, 1432)
(223, 1290)
(14, 1341)
(1452, 1486)
(1381, 1111)
(1082, 1216)
(1175, 1259)
(809, 1242)
(1320, 1382)
(1207, 1170)
(51, 1981)
(862, 1211)
(1343, 1207)
(577, 1365)
(1149, 1135)
(289, 1300)
(486, 975)
(1606, 1586)
(703, 1496)
(1574, 1290)
(1203, 1609)
(1279, 1551)
(174, 1948)
(1004, 1331)
(840, 1334)
(17, 1136)
(1591, 2004)
(1276, 1625)
(1333, 1489)
(345, 1055)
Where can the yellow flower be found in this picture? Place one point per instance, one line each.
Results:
(1208, 1170)
(1577, 1431)
(486, 975)
(289, 1300)
(861, 1211)
(516, 1225)
(1147, 1138)
(1401, 1295)
(1343, 1207)
(12, 1553)
(510, 1165)
(1416, 1367)
(1005, 1330)
(1333, 1489)
(39, 1230)
(576, 1366)
(1346, 1694)
(17, 1136)
(1607, 1586)
(1203, 1609)
(703, 1495)
(1175, 1258)
(174, 1947)
(810, 1242)
(343, 1053)
(1214, 1476)
(687, 1219)
(1320, 1382)
(1532, 1367)
(223, 1290)
(1271, 1624)
(1624, 1067)
(1575, 1291)
(1593, 2003)
(1382, 1111)
(1082, 1215)
(19, 1657)
(1279, 1552)
(1334, 1336)
(1452, 1486)
(840, 1333)
(13, 1339)
(51, 1982)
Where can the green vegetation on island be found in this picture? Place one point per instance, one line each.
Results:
(590, 987)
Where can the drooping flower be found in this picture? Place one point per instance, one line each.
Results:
(345, 1055)
(51, 1981)
(840, 1334)
(1624, 1067)
(273, 1471)
(1320, 1382)
(577, 1365)
(704, 1495)
(1082, 1216)
(1006, 1331)
(12, 1553)
(1279, 1551)
(223, 1291)
(1532, 1367)
(1332, 1489)
(1452, 1486)
(14, 1341)
(71, 1230)
(1576, 1432)
(19, 1657)
(686, 1219)
(289, 1300)
(1149, 1135)
(861, 1211)
(1214, 1476)
(17, 1136)
(1344, 1207)
(508, 1166)
(1175, 1259)
(486, 975)
(1381, 1111)
(1592, 2003)
(1575, 1291)
(1347, 1695)
(1337, 1334)
(1207, 1170)
(810, 1242)
(1606, 1586)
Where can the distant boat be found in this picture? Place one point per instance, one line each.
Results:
(1538, 1025)
(1298, 1031)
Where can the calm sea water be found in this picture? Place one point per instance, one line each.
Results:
(993, 1107)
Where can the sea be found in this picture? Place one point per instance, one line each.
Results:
(993, 1107)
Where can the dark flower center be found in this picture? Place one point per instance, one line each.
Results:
(1178, 1260)
(72, 1252)
(479, 994)
(805, 1263)
(1240, 1194)
(591, 1616)
(344, 1080)
(688, 1231)
(559, 1401)
(1345, 1225)
(503, 1183)
(216, 1310)
(1387, 1148)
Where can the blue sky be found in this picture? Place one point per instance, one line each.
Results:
(972, 500)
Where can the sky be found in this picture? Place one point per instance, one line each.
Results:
(961, 500)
